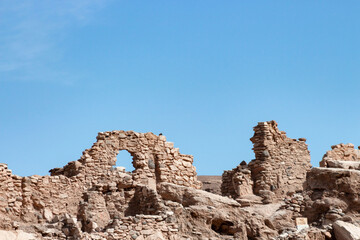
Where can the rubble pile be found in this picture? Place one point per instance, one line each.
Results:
(275, 196)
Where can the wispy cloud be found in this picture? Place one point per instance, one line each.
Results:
(30, 33)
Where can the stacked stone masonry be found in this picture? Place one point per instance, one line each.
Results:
(92, 190)
(340, 153)
(154, 159)
(161, 199)
(237, 182)
(279, 167)
(280, 163)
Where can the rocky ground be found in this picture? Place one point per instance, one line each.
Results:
(276, 196)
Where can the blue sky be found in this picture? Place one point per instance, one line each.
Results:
(203, 73)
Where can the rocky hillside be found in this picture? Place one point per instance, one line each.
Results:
(278, 195)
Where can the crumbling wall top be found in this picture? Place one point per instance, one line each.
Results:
(154, 159)
(280, 163)
(340, 152)
(279, 167)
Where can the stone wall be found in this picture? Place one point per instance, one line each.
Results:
(11, 195)
(154, 159)
(94, 181)
(280, 163)
(237, 182)
(279, 167)
(340, 152)
(227, 186)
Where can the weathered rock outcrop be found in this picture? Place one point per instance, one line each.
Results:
(213, 213)
(346, 231)
(16, 235)
(333, 191)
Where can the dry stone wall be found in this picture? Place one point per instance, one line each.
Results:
(11, 196)
(280, 163)
(154, 159)
(279, 167)
(227, 187)
(340, 152)
(92, 189)
(237, 182)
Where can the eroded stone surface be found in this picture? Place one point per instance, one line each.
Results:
(332, 190)
(346, 231)
(341, 152)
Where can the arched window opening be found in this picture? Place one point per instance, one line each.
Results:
(124, 159)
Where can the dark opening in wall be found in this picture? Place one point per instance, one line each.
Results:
(222, 227)
(124, 159)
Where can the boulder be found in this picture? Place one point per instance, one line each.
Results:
(343, 164)
(190, 196)
(156, 236)
(346, 231)
(223, 215)
(342, 180)
(16, 235)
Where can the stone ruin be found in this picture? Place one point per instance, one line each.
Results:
(92, 190)
(281, 172)
(279, 167)
(275, 196)
(155, 160)
(342, 156)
